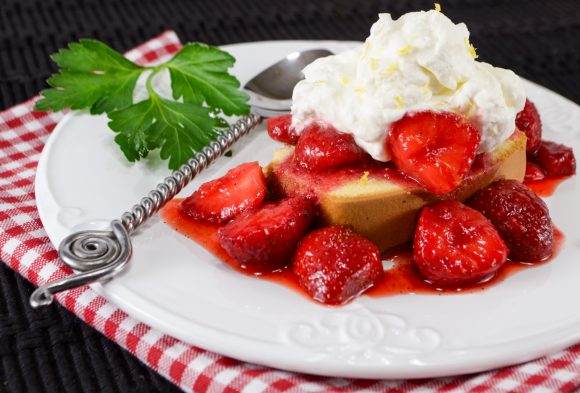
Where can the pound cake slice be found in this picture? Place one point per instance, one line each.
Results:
(378, 201)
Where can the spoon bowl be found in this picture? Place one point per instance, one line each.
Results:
(271, 90)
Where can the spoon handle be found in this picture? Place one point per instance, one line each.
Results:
(100, 255)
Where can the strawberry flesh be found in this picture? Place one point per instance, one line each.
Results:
(335, 264)
(435, 148)
(280, 129)
(528, 121)
(521, 218)
(218, 201)
(321, 147)
(456, 245)
(556, 159)
(533, 173)
(265, 240)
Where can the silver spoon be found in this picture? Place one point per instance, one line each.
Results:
(101, 255)
(271, 90)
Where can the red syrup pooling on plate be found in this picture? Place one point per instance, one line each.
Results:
(205, 235)
(547, 186)
(402, 278)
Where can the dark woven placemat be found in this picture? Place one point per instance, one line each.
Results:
(50, 350)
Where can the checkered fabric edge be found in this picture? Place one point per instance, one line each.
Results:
(25, 247)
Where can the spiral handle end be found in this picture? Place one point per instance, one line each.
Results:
(41, 297)
(97, 255)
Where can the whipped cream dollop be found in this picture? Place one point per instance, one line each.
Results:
(421, 61)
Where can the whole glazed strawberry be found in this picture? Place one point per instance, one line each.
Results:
(521, 218)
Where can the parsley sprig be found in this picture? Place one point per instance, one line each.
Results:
(94, 76)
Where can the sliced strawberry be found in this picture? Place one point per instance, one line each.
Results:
(533, 173)
(265, 240)
(456, 245)
(437, 149)
(528, 121)
(556, 159)
(220, 200)
(322, 147)
(279, 129)
(335, 264)
(521, 218)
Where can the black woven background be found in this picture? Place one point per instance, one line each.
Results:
(50, 350)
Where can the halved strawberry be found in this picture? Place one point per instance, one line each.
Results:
(435, 148)
(528, 121)
(556, 159)
(335, 264)
(265, 240)
(220, 200)
(456, 245)
(279, 129)
(322, 147)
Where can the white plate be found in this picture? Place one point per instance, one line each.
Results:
(179, 288)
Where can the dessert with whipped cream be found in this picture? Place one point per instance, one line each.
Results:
(406, 140)
(421, 61)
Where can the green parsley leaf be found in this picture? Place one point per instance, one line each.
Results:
(200, 73)
(92, 75)
(179, 129)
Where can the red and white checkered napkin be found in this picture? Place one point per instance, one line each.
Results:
(25, 247)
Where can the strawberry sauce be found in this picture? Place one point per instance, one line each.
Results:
(547, 186)
(206, 235)
(320, 182)
(402, 278)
